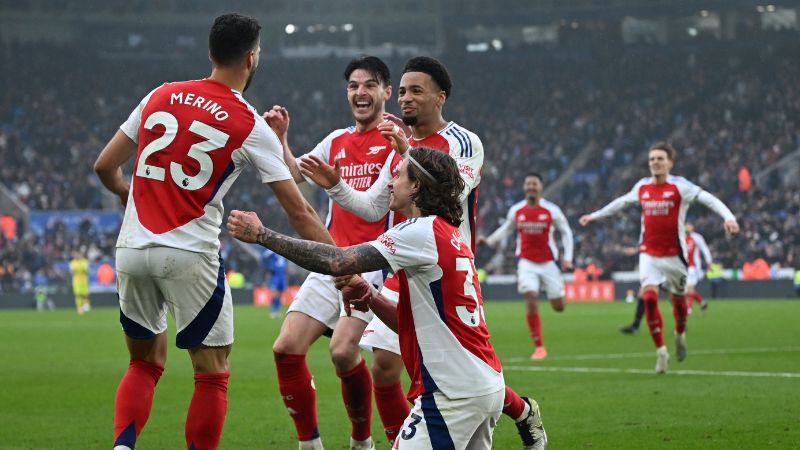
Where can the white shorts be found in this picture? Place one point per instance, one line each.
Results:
(437, 421)
(532, 277)
(378, 335)
(695, 276)
(669, 270)
(319, 299)
(191, 285)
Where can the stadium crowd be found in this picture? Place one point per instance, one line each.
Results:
(725, 107)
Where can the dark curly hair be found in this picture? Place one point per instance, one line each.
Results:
(440, 196)
(434, 69)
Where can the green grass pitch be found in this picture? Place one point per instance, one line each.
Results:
(739, 387)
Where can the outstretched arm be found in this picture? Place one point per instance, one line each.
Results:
(278, 119)
(503, 230)
(370, 205)
(716, 205)
(616, 205)
(313, 256)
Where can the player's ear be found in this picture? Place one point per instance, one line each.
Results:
(387, 93)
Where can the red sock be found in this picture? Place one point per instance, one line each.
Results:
(513, 405)
(392, 407)
(654, 320)
(207, 411)
(357, 396)
(535, 325)
(134, 400)
(679, 312)
(299, 395)
(697, 297)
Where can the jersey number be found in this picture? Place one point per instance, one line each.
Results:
(214, 140)
(472, 319)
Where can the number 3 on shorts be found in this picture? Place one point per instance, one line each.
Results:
(412, 427)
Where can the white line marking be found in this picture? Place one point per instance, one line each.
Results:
(720, 351)
(651, 372)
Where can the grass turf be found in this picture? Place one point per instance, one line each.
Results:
(597, 388)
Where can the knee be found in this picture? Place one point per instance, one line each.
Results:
(344, 355)
(386, 370)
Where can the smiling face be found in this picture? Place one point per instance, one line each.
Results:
(419, 97)
(366, 96)
(401, 188)
(532, 186)
(659, 162)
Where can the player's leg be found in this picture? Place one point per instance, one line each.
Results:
(209, 405)
(390, 399)
(651, 277)
(143, 319)
(387, 367)
(633, 328)
(199, 298)
(676, 272)
(488, 407)
(526, 416)
(528, 283)
(355, 378)
(275, 306)
(314, 311)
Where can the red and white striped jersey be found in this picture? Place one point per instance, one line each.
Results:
(194, 138)
(664, 209)
(444, 340)
(361, 157)
(463, 145)
(536, 227)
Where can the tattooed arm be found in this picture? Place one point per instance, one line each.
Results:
(313, 256)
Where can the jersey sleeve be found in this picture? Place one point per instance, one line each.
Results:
(263, 150)
(323, 149)
(619, 203)
(713, 203)
(470, 164)
(131, 126)
(371, 204)
(409, 245)
(505, 228)
(689, 191)
(562, 225)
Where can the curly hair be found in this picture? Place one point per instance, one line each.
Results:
(440, 196)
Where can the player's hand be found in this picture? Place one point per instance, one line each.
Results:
(397, 121)
(319, 171)
(356, 292)
(244, 226)
(566, 266)
(585, 219)
(481, 240)
(395, 135)
(278, 119)
(731, 227)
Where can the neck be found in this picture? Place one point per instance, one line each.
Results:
(368, 125)
(412, 212)
(533, 201)
(660, 179)
(234, 79)
(421, 131)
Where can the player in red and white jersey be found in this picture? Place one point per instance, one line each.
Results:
(439, 316)
(536, 221)
(662, 254)
(191, 140)
(695, 247)
(424, 89)
(361, 152)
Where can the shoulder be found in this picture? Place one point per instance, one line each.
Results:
(517, 206)
(465, 141)
(550, 206)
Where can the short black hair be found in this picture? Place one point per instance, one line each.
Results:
(231, 37)
(535, 174)
(372, 64)
(434, 69)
